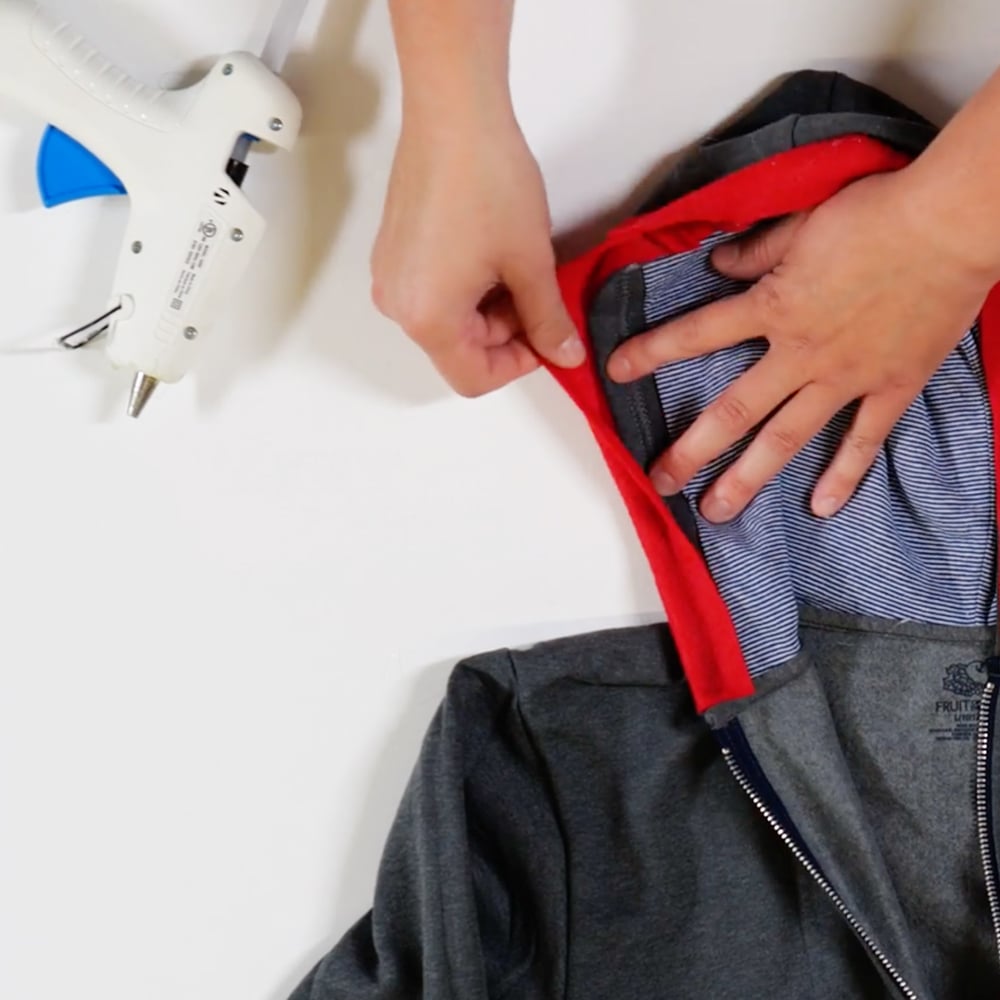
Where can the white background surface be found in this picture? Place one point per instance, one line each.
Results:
(223, 629)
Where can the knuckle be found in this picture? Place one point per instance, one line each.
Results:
(771, 299)
(466, 384)
(469, 390)
(899, 381)
(850, 372)
(782, 441)
(690, 333)
(467, 379)
(860, 445)
(419, 323)
(799, 342)
(732, 412)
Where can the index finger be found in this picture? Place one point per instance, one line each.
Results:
(727, 420)
(720, 324)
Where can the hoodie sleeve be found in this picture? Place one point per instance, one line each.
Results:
(469, 901)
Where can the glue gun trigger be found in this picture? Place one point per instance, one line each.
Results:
(67, 171)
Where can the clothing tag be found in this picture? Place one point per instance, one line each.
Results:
(956, 711)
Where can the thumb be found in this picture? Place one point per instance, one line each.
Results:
(759, 254)
(540, 308)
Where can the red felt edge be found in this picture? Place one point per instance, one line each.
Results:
(989, 350)
(798, 180)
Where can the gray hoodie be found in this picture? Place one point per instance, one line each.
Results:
(575, 828)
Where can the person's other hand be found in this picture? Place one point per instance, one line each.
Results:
(464, 260)
(857, 301)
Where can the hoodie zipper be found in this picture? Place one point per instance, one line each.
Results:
(820, 879)
(984, 818)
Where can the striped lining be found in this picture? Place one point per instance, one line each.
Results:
(916, 543)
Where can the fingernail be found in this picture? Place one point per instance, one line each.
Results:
(664, 484)
(717, 509)
(827, 506)
(619, 368)
(571, 351)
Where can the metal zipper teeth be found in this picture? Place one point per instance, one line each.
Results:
(816, 875)
(983, 806)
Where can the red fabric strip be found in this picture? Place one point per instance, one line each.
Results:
(794, 181)
(989, 350)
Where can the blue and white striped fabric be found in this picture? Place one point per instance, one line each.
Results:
(918, 541)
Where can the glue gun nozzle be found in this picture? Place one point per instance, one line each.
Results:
(142, 388)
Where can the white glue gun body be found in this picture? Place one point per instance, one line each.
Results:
(179, 157)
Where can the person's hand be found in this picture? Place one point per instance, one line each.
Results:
(464, 260)
(857, 301)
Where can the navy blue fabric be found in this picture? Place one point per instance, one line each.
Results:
(916, 543)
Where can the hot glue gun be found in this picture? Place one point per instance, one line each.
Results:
(180, 156)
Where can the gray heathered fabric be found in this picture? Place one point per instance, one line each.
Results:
(808, 106)
(571, 831)
(859, 744)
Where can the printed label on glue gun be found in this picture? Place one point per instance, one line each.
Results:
(201, 252)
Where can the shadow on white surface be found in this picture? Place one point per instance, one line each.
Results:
(380, 357)
(22, 185)
(355, 340)
(562, 419)
(340, 98)
(899, 73)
